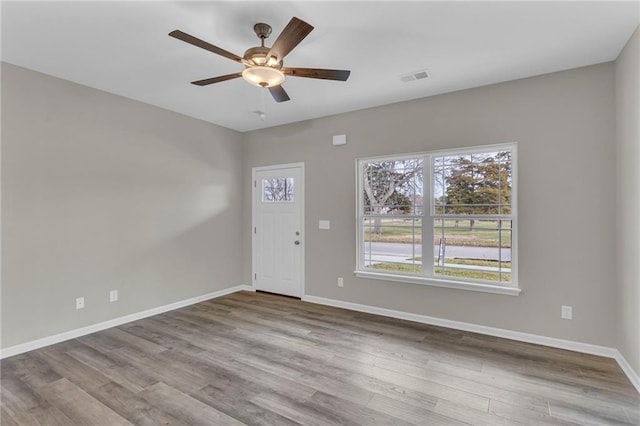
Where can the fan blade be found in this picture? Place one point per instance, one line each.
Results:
(208, 81)
(295, 31)
(278, 94)
(204, 45)
(341, 75)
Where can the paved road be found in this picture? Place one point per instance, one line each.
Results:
(406, 250)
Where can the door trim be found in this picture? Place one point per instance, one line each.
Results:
(300, 194)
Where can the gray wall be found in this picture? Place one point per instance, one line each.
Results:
(564, 124)
(100, 192)
(628, 199)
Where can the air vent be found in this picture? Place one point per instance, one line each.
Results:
(418, 75)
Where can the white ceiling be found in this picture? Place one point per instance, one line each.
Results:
(123, 48)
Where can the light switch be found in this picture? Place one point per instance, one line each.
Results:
(566, 312)
(324, 224)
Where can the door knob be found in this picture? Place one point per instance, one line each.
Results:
(296, 242)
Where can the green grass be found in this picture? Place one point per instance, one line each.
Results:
(469, 273)
(395, 232)
(459, 273)
(401, 267)
(483, 233)
(478, 262)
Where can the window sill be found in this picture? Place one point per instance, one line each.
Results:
(460, 285)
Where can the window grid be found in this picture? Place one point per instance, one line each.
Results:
(487, 218)
(277, 190)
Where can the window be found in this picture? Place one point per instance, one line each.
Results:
(444, 218)
(277, 190)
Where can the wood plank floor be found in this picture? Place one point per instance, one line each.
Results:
(255, 358)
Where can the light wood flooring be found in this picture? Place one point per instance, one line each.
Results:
(255, 358)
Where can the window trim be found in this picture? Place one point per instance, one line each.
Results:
(428, 277)
(509, 290)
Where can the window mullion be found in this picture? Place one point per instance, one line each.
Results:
(427, 216)
(360, 243)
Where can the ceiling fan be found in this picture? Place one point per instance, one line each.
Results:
(263, 65)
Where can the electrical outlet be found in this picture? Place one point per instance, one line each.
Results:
(80, 303)
(340, 282)
(566, 312)
(113, 296)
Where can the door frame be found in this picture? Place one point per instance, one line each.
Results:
(299, 191)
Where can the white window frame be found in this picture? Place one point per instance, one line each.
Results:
(427, 277)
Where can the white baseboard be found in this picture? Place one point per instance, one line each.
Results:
(78, 332)
(633, 376)
(458, 325)
(490, 331)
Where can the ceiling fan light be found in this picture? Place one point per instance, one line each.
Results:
(263, 76)
(259, 60)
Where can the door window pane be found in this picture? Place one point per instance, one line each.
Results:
(277, 190)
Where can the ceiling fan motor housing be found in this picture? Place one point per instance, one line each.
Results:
(262, 70)
(258, 55)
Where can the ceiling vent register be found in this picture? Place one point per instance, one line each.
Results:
(418, 75)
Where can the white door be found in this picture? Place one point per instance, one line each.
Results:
(278, 254)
